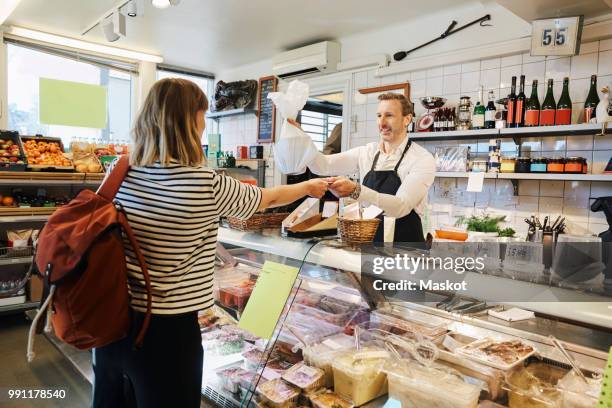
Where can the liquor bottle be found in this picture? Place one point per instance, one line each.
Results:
(519, 114)
(447, 119)
(532, 111)
(511, 104)
(451, 125)
(591, 101)
(436, 115)
(478, 117)
(489, 122)
(549, 107)
(563, 115)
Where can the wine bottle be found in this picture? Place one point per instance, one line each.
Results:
(532, 111)
(511, 104)
(519, 115)
(549, 107)
(453, 118)
(479, 113)
(490, 112)
(563, 116)
(444, 126)
(437, 120)
(591, 101)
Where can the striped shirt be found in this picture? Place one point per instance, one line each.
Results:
(174, 212)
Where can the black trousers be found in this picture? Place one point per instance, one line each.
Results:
(165, 372)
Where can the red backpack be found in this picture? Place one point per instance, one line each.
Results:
(81, 258)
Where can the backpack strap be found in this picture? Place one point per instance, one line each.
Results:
(113, 181)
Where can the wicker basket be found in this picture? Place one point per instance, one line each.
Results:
(357, 231)
(274, 220)
(256, 222)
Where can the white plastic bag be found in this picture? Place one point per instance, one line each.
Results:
(294, 149)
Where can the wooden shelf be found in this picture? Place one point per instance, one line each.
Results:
(18, 307)
(49, 178)
(516, 133)
(531, 176)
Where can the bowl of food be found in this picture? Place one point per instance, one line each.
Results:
(433, 102)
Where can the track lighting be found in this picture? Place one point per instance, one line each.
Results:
(131, 9)
(114, 26)
(162, 4)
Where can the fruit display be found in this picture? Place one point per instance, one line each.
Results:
(11, 155)
(86, 162)
(46, 152)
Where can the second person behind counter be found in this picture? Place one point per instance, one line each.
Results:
(395, 173)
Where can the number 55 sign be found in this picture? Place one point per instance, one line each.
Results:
(556, 36)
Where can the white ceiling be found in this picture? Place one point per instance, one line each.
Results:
(213, 35)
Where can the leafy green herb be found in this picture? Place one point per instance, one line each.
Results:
(506, 232)
(481, 224)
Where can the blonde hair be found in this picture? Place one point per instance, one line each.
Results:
(407, 106)
(166, 128)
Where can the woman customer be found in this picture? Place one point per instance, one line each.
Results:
(173, 203)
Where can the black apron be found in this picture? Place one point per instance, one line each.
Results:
(407, 228)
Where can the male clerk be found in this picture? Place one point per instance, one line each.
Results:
(396, 174)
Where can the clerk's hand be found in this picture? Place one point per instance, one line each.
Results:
(294, 123)
(316, 187)
(341, 186)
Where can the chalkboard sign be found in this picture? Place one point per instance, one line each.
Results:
(266, 117)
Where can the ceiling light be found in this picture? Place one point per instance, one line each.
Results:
(132, 9)
(109, 30)
(160, 4)
(83, 45)
(6, 9)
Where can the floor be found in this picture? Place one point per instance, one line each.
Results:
(48, 370)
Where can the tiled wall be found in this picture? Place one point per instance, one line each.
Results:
(448, 198)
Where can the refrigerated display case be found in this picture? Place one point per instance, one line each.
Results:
(333, 338)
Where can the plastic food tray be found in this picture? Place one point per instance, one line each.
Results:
(306, 378)
(278, 393)
(467, 352)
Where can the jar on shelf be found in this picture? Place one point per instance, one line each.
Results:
(556, 165)
(539, 165)
(479, 165)
(523, 165)
(575, 165)
(508, 165)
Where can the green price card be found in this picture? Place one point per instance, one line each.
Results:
(605, 401)
(268, 299)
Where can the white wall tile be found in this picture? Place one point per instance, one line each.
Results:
(529, 188)
(506, 75)
(470, 81)
(534, 70)
(605, 45)
(452, 69)
(527, 58)
(452, 100)
(470, 66)
(589, 47)
(435, 86)
(435, 72)
(578, 112)
(418, 88)
(490, 63)
(359, 98)
(600, 161)
(490, 78)
(579, 215)
(605, 63)
(360, 112)
(604, 80)
(550, 206)
(603, 142)
(579, 89)
(558, 68)
(531, 144)
(371, 129)
(371, 112)
(598, 228)
(551, 188)
(360, 80)
(527, 206)
(452, 84)
(373, 80)
(418, 75)
(601, 189)
(579, 142)
(583, 66)
(511, 60)
(577, 192)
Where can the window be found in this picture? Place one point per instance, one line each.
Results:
(27, 65)
(205, 82)
(318, 126)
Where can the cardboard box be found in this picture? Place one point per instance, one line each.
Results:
(315, 226)
(35, 288)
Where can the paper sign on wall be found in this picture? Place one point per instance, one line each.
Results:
(475, 182)
(72, 103)
(268, 299)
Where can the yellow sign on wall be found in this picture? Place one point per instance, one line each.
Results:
(72, 103)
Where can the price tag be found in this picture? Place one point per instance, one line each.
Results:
(332, 344)
(556, 36)
(475, 182)
(309, 372)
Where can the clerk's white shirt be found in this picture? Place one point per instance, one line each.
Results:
(416, 171)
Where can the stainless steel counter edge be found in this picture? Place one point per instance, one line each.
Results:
(594, 310)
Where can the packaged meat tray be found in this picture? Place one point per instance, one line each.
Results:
(306, 378)
(328, 399)
(235, 295)
(227, 343)
(253, 358)
(429, 387)
(359, 374)
(288, 347)
(278, 394)
(412, 320)
(332, 311)
(499, 354)
(230, 378)
(308, 329)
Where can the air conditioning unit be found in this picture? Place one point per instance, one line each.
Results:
(319, 57)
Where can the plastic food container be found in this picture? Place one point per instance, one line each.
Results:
(575, 165)
(523, 165)
(479, 166)
(230, 377)
(428, 387)
(556, 165)
(576, 394)
(288, 347)
(227, 343)
(310, 329)
(322, 354)
(278, 393)
(539, 165)
(412, 320)
(329, 400)
(306, 378)
(508, 165)
(359, 374)
(534, 386)
(252, 359)
(499, 354)
(235, 295)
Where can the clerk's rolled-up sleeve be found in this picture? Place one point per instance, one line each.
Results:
(342, 163)
(414, 188)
